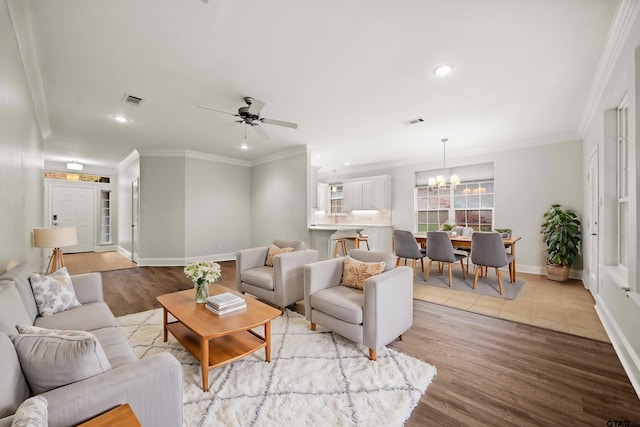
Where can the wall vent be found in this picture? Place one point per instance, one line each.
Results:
(413, 121)
(130, 99)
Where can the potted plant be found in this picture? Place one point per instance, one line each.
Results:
(561, 233)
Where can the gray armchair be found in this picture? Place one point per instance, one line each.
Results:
(281, 284)
(374, 316)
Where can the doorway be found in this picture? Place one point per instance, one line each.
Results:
(135, 218)
(74, 206)
(592, 221)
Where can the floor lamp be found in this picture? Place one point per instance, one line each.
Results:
(55, 238)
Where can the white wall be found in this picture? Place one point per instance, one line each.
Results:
(527, 182)
(162, 210)
(279, 199)
(218, 208)
(193, 206)
(128, 171)
(21, 157)
(618, 308)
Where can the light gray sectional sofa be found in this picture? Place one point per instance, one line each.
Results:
(151, 386)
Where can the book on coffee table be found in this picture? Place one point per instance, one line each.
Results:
(224, 300)
(225, 310)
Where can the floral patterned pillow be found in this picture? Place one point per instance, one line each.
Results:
(273, 251)
(355, 272)
(53, 293)
(33, 412)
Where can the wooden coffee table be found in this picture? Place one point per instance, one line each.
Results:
(217, 340)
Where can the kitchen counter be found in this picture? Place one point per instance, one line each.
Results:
(379, 236)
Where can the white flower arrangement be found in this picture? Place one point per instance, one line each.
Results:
(203, 271)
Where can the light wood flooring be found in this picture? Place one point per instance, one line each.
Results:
(491, 371)
(86, 262)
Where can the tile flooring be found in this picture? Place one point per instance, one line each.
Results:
(561, 306)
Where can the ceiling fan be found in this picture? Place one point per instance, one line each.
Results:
(250, 114)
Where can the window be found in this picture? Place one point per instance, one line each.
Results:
(472, 205)
(622, 182)
(105, 217)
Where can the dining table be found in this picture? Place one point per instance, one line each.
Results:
(464, 242)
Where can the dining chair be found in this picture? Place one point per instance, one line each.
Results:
(439, 248)
(406, 247)
(487, 250)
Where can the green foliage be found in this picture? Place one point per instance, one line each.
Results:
(561, 234)
(448, 227)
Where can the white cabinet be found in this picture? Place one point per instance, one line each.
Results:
(322, 196)
(367, 193)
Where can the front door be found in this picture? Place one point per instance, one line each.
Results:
(592, 222)
(74, 206)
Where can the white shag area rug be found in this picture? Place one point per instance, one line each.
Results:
(314, 378)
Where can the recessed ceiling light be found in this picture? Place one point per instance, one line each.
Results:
(75, 166)
(120, 119)
(347, 164)
(443, 70)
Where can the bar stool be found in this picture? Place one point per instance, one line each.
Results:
(340, 242)
(362, 238)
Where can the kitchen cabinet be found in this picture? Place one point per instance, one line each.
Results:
(367, 193)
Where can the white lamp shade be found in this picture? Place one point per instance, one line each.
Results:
(54, 237)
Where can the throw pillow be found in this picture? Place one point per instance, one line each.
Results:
(33, 412)
(53, 293)
(52, 358)
(355, 272)
(273, 251)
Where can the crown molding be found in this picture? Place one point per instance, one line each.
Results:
(281, 155)
(21, 22)
(160, 152)
(622, 23)
(132, 157)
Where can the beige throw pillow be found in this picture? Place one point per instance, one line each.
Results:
(355, 272)
(273, 251)
(51, 358)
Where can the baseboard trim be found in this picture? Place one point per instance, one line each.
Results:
(176, 262)
(628, 358)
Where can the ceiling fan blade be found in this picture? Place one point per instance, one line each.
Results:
(260, 131)
(206, 107)
(279, 123)
(255, 105)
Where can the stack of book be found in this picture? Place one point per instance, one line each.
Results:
(225, 303)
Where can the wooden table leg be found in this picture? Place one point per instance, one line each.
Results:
(204, 363)
(267, 340)
(513, 252)
(164, 324)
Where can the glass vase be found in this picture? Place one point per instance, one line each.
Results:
(202, 291)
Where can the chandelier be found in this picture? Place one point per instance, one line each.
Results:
(439, 180)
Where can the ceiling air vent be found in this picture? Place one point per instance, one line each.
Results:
(130, 99)
(413, 121)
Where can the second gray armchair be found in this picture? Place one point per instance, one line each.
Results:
(374, 316)
(281, 283)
